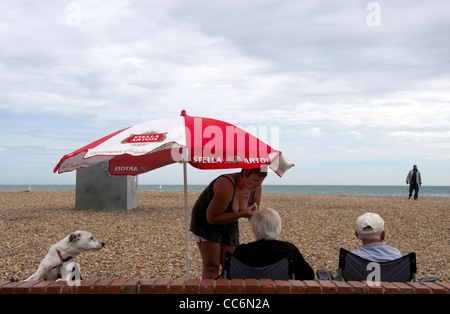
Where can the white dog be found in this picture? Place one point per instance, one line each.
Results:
(58, 263)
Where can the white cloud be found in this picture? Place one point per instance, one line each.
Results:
(414, 136)
(314, 132)
(354, 134)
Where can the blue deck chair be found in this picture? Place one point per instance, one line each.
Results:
(355, 268)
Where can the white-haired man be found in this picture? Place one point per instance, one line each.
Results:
(267, 249)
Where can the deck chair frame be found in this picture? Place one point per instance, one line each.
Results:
(353, 267)
(281, 270)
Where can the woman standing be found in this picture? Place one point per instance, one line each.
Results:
(215, 215)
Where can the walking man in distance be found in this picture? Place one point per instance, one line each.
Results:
(415, 180)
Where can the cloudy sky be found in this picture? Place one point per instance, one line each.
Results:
(352, 92)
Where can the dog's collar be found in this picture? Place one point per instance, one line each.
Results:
(63, 260)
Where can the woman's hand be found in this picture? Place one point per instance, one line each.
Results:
(216, 212)
(249, 211)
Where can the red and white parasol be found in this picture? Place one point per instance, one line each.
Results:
(207, 144)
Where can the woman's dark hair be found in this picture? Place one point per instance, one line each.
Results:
(262, 172)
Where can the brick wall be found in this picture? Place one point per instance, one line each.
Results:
(221, 286)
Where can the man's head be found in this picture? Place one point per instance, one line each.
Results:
(370, 228)
(266, 224)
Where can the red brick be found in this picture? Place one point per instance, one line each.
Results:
(130, 287)
(24, 287)
(207, 286)
(237, 286)
(358, 287)
(3, 282)
(251, 286)
(222, 286)
(374, 287)
(40, 287)
(282, 287)
(161, 286)
(85, 286)
(177, 286)
(389, 288)
(116, 286)
(437, 289)
(328, 287)
(266, 286)
(446, 285)
(419, 288)
(298, 287)
(343, 287)
(9, 287)
(58, 287)
(312, 287)
(191, 286)
(68, 289)
(404, 288)
(101, 287)
(146, 286)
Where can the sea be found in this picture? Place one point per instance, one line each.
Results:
(386, 190)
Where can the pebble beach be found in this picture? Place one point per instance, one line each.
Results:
(149, 241)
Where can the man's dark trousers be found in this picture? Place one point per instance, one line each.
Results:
(414, 187)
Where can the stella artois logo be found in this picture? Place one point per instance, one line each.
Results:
(142, 139)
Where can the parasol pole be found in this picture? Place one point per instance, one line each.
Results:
(186, 218)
